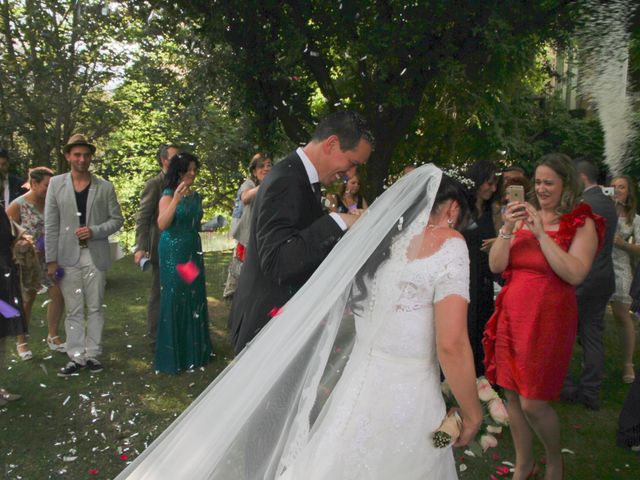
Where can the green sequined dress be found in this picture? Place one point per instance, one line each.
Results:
(183, 340)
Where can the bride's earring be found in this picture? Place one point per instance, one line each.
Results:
(450, 222)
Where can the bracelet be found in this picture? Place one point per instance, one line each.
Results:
(503, 235)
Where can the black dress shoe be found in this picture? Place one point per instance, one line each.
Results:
(72, 368)
(569, 395)
(589, 402)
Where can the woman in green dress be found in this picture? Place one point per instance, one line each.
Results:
(183, 341)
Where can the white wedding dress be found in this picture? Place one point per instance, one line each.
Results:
(378, 421)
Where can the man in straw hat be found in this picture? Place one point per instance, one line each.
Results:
(81, 211)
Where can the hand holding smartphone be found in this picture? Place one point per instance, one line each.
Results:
(515, 193)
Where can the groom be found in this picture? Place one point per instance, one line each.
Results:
(290, 234)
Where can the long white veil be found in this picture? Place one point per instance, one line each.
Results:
(259, 412)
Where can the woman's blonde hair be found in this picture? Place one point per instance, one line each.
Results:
(631, 204)
(571, 185)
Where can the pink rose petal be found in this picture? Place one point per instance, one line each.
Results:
(188, 271)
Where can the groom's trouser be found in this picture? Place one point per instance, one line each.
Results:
(83, 284)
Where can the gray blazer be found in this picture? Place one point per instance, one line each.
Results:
(147, 231)
(61, 221)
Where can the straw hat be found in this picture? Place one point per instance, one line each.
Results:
(79, 140)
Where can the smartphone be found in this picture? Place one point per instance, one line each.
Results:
(608, 191)
(516, 193)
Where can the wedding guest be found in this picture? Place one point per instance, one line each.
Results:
(593, 295)
(348, 199)
(623, 251)
(28, 211)
(545, 248)
(290, 235)
(11, 186)
(12, 318)
(259, 166)
(512, 172)
(629, 421)
(147, 235)
(81, 211)
(483, 175)
(183, 341)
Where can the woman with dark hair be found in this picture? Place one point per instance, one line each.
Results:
(478, 237)
(362, 429)
(544, 249)
(623, 250)
(28, 212)
(259, 166)
(183, 341)
(349, 199)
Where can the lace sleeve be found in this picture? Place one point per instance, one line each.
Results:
(453, 279)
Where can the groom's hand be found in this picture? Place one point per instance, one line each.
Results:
(349, 219)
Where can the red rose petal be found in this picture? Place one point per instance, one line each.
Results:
(275, 311)
(124, 456)
(93, 472)
(188, 271)
(495, 456)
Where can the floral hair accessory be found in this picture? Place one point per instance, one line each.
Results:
(456, 173)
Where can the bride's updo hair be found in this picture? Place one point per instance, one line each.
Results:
(452, 189)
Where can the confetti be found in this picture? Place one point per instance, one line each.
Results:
(66, 400)
(566, 450)
(8, 311)
(46, 302)
(188, 271)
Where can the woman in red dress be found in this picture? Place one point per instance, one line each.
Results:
(545, 248)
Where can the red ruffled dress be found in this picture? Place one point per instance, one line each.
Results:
(529, 339)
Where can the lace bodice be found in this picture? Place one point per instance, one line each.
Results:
(401, 312)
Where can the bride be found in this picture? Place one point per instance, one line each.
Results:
(345, 382)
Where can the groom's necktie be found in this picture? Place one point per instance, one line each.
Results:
(317, 191)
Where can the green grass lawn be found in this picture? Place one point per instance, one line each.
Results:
(90, 426)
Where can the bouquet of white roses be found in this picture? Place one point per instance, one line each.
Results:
(495, 417)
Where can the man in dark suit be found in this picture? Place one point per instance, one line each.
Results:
(593, 295)
(148, 234)
(10, 184)
(290, 234)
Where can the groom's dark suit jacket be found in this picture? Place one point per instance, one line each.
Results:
(290, 236)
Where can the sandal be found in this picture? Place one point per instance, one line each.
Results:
(56, 347)
(26, 355)
(628, 375)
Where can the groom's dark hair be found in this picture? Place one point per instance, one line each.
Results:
(348, 126)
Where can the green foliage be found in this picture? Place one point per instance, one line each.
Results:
(55, 59)
(403, 64)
